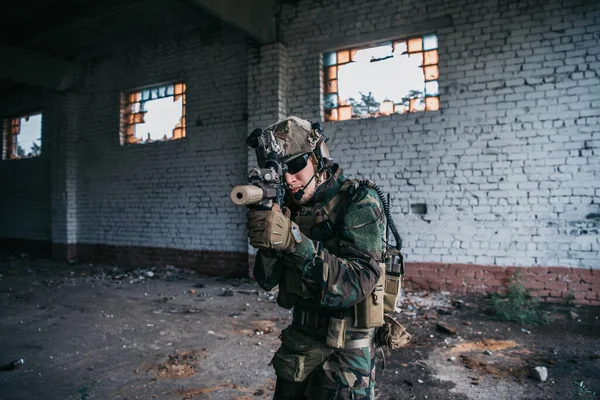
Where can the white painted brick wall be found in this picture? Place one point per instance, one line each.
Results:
(510, 167)
(62, 114)
(267, 94)
(166, 194)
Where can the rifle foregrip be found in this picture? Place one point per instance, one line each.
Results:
(246, 194)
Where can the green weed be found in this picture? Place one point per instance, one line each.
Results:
(569, 299)
(517, 305)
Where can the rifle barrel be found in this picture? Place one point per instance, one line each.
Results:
(246, 194)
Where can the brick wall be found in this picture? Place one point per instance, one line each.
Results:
(267, 97)
(550, 284)
(510, 166)
(166, 194)
(63, 113)
(159, 203)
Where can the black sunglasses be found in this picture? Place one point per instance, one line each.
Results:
(297, 164)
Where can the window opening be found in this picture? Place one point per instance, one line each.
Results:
(22, 136)
(154, 114)
(395, 77)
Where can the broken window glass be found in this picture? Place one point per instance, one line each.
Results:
(389, 78)
(415, 44)
(431, 57)
(432, 103)
(154, 114)
(22, 137)
(431, 72)
(331, 101)
(430, 42)
(343, 57)
(431, 88)
(329, 59)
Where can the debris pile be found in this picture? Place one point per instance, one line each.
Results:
(498, 358)
(264, 327)
(428, 304)
(179, 365)
(117, 274)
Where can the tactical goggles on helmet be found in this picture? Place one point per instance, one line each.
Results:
(297, 164)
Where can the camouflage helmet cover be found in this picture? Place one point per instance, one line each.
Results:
(295, 137)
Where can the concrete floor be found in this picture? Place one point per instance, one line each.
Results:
(99, 332)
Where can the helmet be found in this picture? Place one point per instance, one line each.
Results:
(296, 137)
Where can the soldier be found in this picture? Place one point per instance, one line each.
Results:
(324, 249)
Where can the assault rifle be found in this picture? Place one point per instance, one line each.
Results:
(265, 183)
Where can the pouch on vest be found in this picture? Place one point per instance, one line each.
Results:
(369, 312)
(336, 333)
(298, 356)
(394, 272)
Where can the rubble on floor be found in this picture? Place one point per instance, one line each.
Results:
(98, 331)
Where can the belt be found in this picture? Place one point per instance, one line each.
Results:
(310, 319)
(319, 320)
(359, 343)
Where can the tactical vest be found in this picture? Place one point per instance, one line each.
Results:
(323, 223)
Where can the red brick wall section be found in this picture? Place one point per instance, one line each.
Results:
(214, 263)
(39, 248)
(551, 284)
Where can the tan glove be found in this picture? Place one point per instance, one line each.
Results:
(271, 229)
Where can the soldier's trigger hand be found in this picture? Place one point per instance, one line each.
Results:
(271, 229)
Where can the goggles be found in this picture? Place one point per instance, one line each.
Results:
(297, 164)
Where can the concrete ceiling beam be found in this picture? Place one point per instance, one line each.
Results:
(35, 69)
(250, 17)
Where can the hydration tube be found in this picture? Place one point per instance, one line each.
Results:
(386, 210)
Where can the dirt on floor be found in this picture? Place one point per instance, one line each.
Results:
(83, 331)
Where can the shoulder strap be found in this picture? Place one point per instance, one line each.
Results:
(348, 184)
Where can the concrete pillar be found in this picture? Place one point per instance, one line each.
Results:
(267, 85)
(267, 95)
(64, 177)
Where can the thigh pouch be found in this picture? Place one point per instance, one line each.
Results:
(299, 355)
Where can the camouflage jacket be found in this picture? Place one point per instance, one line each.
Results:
(339, 272)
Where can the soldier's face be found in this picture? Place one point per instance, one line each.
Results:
(298, 180)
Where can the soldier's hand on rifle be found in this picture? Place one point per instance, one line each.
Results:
(272, 229)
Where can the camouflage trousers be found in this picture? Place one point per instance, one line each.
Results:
(346, 374)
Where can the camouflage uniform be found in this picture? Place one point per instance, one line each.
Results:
(322, 280)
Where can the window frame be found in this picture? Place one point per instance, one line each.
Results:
(129, 119)
(345, 55)
(9, 136)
